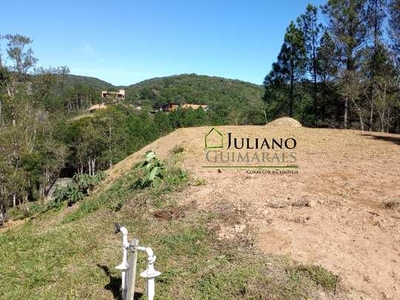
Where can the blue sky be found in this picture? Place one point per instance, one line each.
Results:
(124, 42)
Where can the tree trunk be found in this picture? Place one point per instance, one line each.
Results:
(90, 167)
(360, 114)
(361, 121)
(291, 93)
(315, 84)
(371, 115)
(382, 122)
(93, 166)
(315, 99)
(346, 111)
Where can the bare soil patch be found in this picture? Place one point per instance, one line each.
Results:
(333, 213)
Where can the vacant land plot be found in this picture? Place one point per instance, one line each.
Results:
(342, 209)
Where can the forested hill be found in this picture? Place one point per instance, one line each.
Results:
(185, 88)
(98, 84)
(231, 101)
(200, 89)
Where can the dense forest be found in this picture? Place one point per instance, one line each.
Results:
(236, 102)
(339, 66)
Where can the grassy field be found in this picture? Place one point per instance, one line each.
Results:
(71, 253)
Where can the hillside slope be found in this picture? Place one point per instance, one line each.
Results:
(233, 101)
(341, 211)
(229, 233)
(98, 84)
(192, 88)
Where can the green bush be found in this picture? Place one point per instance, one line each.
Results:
(150, 171)
(76, 190)
(155, 174)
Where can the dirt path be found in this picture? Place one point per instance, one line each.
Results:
(332, 213)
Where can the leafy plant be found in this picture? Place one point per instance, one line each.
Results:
(151, 171)
(75, 190)
(86, 182)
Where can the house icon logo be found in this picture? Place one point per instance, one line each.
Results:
(214, 139)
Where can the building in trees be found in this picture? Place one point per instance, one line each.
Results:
(113, 96)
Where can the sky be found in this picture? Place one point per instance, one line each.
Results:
(124, 42)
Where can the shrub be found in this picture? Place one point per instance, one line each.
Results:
(153, 173)
(150, 171)
(75, 190)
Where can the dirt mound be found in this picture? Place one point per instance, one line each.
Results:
(285, 122)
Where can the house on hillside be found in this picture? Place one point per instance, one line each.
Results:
(194, 106)
(169, 107)
(113, 96)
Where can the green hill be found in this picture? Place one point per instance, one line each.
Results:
(98, 84)
(192, 88)
(231, 101)
(185, 88)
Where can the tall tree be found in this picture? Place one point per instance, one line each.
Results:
(394, 34)
(30, 153)
(22, 60)
(385, 87)
(290, 66)
(394, 27)
(326, 68)
(308, 24)
(347, 27)
(376, 12)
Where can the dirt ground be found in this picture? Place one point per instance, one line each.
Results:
(341, 211)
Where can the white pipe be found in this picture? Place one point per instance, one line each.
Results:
(150, 273)
(124, 265)
(150, 288)
(148, 250)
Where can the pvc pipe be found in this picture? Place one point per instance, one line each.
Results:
(124, 265)
(129, 271)
(150, 273)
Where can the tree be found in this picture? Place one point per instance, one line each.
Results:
(374, 21)
(45, 83)
(394, 28)
(308, 24)
(22, 60)
(384, 91)
(290, 66)
(394, 34)
(326, 68)
(30, 153)
(162, 123)
(347, 27)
